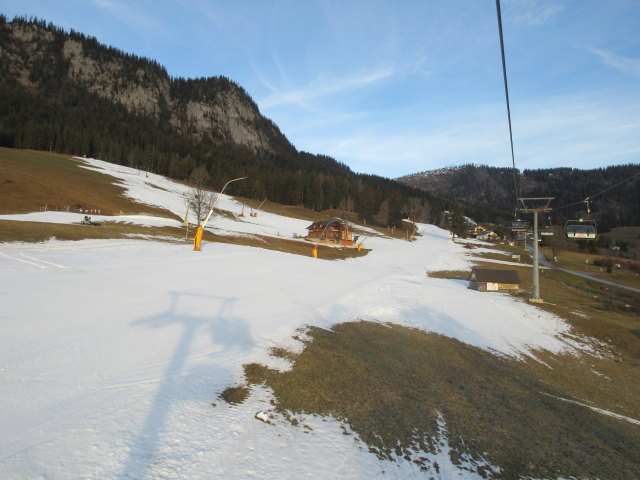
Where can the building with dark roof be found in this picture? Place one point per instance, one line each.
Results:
(493, 280)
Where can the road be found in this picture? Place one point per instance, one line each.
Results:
(544, 262)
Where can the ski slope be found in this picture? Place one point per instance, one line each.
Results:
(112, 351)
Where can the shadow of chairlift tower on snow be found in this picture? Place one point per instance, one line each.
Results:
(224, 328)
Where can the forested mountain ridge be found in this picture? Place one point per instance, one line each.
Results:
(45, 60)
(489, 192)
(65, 92)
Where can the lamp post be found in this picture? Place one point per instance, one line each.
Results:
(197, 240)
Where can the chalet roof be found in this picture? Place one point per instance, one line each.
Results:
(495, 275)
(323, 224)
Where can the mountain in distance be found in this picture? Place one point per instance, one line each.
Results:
(65, 92)
(489, 192)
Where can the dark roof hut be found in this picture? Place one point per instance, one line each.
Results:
(493, 280)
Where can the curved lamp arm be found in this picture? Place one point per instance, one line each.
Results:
(204, 224)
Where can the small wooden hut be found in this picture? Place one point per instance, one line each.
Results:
(490, 280)
(331, 232)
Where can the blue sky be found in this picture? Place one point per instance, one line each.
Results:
(400, 86)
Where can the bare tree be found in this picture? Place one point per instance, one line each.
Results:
(199, 199)
(418, 210)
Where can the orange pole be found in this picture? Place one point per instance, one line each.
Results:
(197, 240)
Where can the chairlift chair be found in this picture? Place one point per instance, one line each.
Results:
(580, 229)
(546, 231)
(518, 226)
(583, 228)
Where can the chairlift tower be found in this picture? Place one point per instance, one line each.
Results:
(535, 206)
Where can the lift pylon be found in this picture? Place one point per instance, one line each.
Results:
(535, 205)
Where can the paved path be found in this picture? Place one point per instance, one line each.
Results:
(544, 262)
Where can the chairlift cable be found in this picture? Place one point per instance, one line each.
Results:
(612, 186)
(506, 93)
(588, 199)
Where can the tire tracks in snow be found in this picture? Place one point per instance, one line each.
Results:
(33, 261)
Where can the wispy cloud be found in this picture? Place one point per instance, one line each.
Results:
(630, 66)
(324, 86)
(414, 150)
(573, 132)
(136, 17)
(532, 13)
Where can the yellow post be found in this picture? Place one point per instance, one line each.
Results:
(360, 246)
(314, 251)
(197, 240)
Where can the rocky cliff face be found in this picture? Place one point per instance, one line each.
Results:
(215, 107)
(143, 94)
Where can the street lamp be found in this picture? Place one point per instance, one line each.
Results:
(197, 240)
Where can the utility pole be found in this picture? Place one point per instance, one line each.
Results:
(535, 206)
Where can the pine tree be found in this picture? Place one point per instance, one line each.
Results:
(457, 222)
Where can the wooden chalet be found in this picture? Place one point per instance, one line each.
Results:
(331, 232)
(491, 280)
(488, 235)
(475, 230)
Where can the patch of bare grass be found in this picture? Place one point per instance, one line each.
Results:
(304, 248)
(35, 232)
(524, 257)
(450, 274)
(32, 180)
(392, 384)
(235, 395)
(280, 352)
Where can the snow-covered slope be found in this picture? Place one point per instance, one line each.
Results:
(111, 352)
